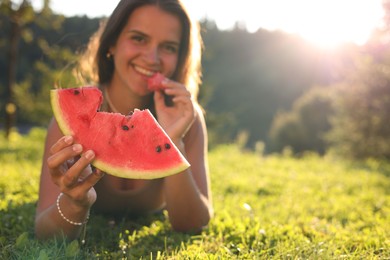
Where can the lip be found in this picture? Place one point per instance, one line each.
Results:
(144, 72)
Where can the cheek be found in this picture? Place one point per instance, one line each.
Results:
(119, 61)
(125, 50)
(170, 65)
(123, 55)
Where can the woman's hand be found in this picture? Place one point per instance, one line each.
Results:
(176, 119)
(72, 172)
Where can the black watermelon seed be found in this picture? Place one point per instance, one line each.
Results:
(158, 149)
(76, 92)
(125, 127)
(167, 146)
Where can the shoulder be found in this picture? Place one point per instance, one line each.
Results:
(198, 130)
(200, 113)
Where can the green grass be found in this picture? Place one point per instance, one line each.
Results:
(273, 207)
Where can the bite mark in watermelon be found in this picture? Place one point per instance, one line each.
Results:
(155, 82)
(133, 146)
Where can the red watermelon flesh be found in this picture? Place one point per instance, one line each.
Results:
(133, 146)
(155, 82)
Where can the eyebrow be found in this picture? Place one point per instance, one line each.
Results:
(146, 35)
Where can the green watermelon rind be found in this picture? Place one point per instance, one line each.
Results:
(112, 170)
(54, 99)
(143, 174)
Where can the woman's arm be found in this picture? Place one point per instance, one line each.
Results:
(63, 170)
(187, 194)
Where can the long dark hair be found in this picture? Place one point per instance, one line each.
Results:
(100, 68)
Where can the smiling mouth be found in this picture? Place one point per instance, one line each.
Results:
(145, 72)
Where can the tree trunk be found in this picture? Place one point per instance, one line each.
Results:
(10, 110)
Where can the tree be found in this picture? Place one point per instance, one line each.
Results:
(250, 76)
(41, 63)
(305, 126)
(360, 126)
(17, 16)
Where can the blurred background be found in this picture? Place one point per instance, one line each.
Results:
(303, 76)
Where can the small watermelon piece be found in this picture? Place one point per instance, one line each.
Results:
(155, 82)
(133, 146)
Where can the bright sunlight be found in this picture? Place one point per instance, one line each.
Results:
(329, 23)
(326, 23)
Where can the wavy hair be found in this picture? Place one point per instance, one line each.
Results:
(94, 66)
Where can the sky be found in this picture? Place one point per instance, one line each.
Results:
(323, 22)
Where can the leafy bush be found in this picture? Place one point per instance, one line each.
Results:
(360, 126)
(303, 127)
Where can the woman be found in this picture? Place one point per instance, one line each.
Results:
(141, 37)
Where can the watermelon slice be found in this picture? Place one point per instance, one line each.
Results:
(155, 82)
(133, 146)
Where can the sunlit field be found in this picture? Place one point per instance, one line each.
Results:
(266, 207)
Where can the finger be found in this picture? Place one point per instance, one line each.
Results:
(71, 161)
(63, 155)
(86, 172)
(93, 178)
(181, 99)
(159, 99)
(61, 144)
(158, 96)
(75, 173)
(178, 92)
(168, 84)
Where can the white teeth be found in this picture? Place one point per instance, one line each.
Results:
(143, 71)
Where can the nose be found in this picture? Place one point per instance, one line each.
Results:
(152, 55)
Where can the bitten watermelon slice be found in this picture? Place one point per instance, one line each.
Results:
(155, 82)
(133, 146)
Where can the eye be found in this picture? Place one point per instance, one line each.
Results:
(138, 38)
(170, 48)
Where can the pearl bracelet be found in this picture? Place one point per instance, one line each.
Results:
(65, 218)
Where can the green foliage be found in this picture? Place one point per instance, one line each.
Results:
(220, 127)
(34, 106)
(274, 207)
(47, 53)
(250, 76)
(360, 127)
(303, 128)
(247, 77)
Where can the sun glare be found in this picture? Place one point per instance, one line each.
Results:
(330, 23)
(325, 23)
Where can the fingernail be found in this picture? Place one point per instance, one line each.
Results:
(68, 139)
(164, 81)
(89, 155)
(77, 148)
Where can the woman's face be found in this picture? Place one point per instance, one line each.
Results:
(148, 43)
